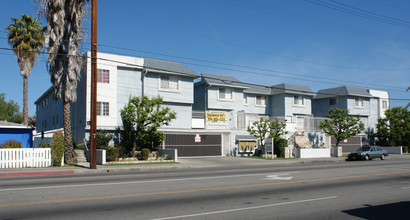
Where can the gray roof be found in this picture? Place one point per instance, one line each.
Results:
(342, 91)
(257, 89)
(221, 80)
(6, 124)
(245, 137)
(291, 89)
(168, 67)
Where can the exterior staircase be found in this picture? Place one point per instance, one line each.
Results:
(80, 156)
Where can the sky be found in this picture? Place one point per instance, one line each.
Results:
(318, 43)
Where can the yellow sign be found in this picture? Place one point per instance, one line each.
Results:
(216, 116)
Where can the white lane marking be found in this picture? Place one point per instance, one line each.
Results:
(246, 208)
(280, 176)
(132, 182)
(408, 187)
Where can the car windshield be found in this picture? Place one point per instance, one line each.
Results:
(364, 149)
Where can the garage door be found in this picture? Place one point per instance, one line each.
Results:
(191, 145)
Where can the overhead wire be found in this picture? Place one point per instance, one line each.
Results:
(309, 79)
(359, 13)
(316, 22)
(160, 69)
(229, 42)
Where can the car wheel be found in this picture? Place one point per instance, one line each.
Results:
(383, 157)
(366, 157)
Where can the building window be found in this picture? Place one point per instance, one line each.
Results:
(384, 104)
(298, 100)
(260, 100)
(332, 101)
(169, 83)
(245, 99)
(103, 108)
(103, 76)
(358, 103)
(225, 94)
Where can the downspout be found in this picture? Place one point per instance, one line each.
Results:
(144, 72)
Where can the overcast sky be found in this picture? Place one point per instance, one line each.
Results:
(318, 43)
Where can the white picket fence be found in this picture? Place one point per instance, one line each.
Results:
(25, 157)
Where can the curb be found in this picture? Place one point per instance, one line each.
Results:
(40, 173)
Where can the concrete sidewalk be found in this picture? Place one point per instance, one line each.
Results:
(183, 163)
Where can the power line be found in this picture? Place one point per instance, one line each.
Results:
(159, 69)
(360, 13)
(280, 12)
(228, 42)
(254, 72)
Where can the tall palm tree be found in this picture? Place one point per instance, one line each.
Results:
(26, 36)
(64, 36)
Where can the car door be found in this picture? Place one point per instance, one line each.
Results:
(373, 152)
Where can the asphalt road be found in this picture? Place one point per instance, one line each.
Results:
(353, 190)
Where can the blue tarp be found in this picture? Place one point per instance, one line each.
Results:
(23, 135)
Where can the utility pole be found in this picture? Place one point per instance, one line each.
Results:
(93, 130)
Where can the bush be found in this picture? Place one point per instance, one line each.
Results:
(103, 138)
(57, 148)
(145, 153)
(280, 144)
(11, 144)
(112, 153)
(405, 149)
(43, 144)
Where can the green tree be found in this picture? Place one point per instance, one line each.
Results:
(341, 125)
(277, 131)
(9, 111)
(141, 118)
(103, 138)
(260, 130)
(264, 128)
(394, 130)
(26, 36)
(64, 37)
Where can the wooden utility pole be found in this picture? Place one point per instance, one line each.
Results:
(93, 130)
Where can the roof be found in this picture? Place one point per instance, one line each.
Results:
(221, 80)
(6, 124)
(168, 67)
(291, 89)
(245, 138)
(342, 91)
(257, 89)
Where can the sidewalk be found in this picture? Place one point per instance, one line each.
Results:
(183, 163)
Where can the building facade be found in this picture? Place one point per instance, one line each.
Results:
(212, 111)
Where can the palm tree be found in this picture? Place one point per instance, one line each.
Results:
(64, 36)
(26, 36)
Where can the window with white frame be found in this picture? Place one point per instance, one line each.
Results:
(103, 76)
(260, 100)
(358, 103)
(384, 104)
(225, 94)
(169, 83)
(245, 99)
(103, 108)
(298, 100)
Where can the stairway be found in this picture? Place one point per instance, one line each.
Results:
(79, 156)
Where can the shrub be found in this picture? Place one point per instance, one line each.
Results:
(112, 153)
(57, 148)
(12, 144)
(43, 144)
(103, 138)
(145, 153)
(405, 149)
(280, 144)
